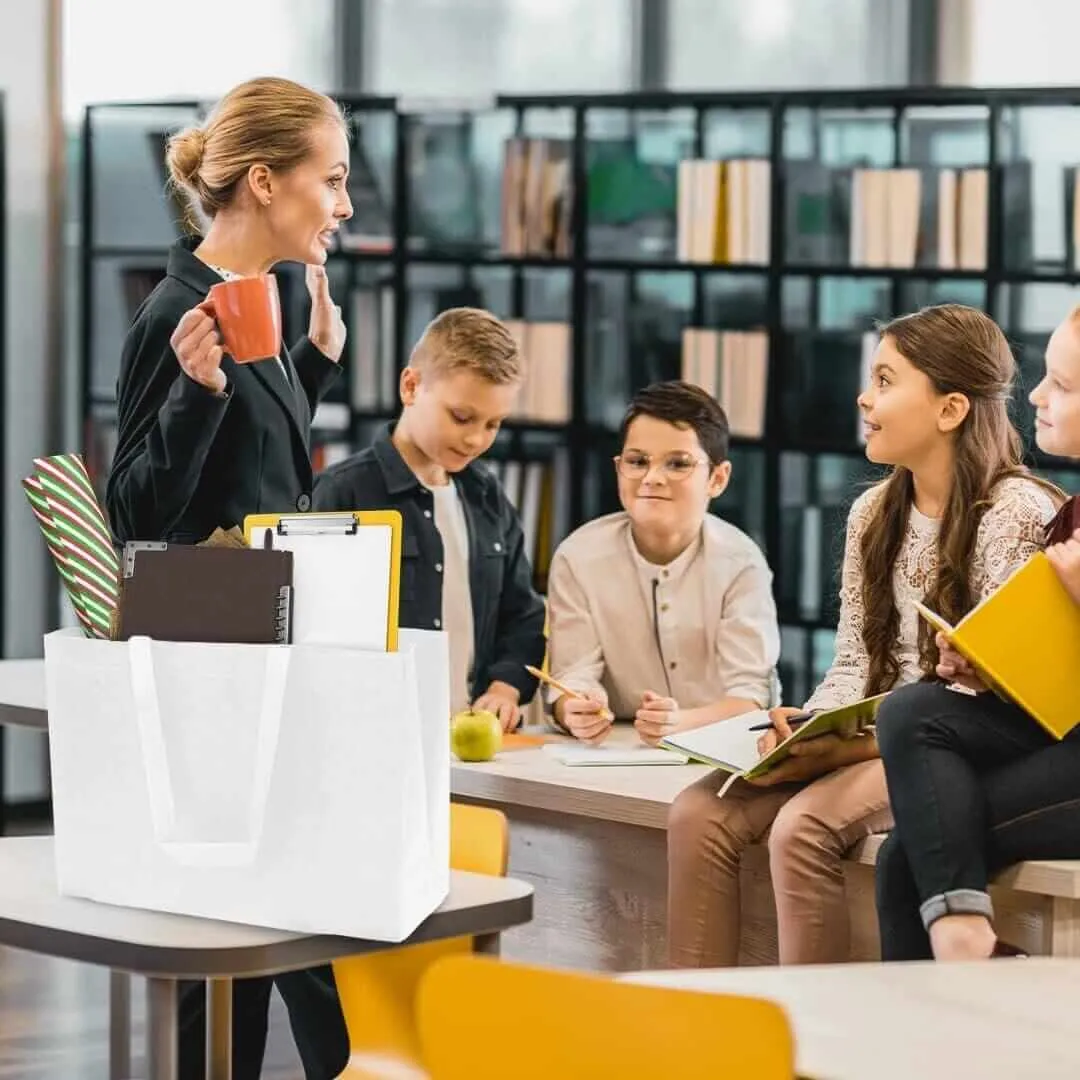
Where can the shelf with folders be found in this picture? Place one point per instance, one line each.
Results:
(749, 242)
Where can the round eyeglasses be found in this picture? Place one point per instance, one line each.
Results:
(675, 467)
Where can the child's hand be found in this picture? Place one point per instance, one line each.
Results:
(501, 699)
(657, 717)
(952, 666)
(809, 759)
(586, 718)
(1065, 559)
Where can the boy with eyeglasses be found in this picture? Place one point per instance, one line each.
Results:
(662, 614)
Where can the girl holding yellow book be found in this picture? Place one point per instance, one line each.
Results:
(957, 514)
(976, 784)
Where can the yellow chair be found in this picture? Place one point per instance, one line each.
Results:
(482, 1019)
(378, 991)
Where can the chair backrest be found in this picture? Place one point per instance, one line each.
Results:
(484, 1019)
(378, 991)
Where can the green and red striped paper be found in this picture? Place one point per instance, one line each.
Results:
(69, 515)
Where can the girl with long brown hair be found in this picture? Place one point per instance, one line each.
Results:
(976, 783)
(956, 515)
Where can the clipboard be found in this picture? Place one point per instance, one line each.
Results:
(346, 574)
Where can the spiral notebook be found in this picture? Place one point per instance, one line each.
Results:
(180, 592)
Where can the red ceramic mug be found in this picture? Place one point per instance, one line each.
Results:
(248, 313)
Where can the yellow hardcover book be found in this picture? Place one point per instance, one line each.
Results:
(1024, 641)
(346, 574)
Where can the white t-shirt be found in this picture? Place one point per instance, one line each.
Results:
(457, 616)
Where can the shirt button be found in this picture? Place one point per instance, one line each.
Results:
(427, 513)
(673, 665)
(438, 568)
(438, 623)
(303, 503)
(663, 607)
(665, 573)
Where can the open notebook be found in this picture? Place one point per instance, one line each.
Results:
(1024, 640)
(731, 745)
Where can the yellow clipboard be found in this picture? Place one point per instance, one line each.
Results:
(326, 575)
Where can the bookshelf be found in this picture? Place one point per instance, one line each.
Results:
(748, 241)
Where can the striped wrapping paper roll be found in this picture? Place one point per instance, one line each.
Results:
(67, 510)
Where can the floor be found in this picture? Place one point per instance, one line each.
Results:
(55, 1020)
(55, 1023)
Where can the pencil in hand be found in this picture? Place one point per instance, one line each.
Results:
(543, 676)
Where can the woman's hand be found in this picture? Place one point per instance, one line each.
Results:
(326, 328)
(781, 730)
(198, 348)
(809, 759)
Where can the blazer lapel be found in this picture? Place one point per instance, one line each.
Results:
(272, 377)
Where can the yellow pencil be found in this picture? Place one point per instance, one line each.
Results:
(543, 676)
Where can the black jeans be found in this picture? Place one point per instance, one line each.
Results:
(975, 785)
(314, 1014)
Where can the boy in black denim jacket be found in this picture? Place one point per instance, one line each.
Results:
(464, 568)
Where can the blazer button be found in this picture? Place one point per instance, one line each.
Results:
(498, 546)
(303, 503)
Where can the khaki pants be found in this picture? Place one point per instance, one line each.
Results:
(812, 826)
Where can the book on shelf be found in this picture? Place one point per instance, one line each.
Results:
(732, 366)
(544, 396)
(722, 211)
(537, 197)
(1024, 641)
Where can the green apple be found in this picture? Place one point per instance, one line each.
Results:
(475, 734)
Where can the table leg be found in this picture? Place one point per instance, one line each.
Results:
(219, 1029)
(162, 1028)
(487, 944)
(119, 1025)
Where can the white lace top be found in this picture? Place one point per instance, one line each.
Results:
(1010, 532)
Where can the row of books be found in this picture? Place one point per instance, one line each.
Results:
(733, 366)
(537, 197)
(723, 211)
(898, 218)
(545, 394)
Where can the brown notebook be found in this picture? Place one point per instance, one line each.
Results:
(180, 592)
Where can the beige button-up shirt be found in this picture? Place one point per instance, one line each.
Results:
(702, 628)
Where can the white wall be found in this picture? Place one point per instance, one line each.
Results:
(32, 348)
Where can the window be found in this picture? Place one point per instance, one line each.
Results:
(125, 50)
(742, 44)
(466, 48)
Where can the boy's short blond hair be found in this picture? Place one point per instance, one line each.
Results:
(469, 339)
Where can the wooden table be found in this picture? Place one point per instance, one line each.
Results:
(592, 840)
(996, 1020)
(166, 948)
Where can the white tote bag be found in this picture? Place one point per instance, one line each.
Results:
(298, 787)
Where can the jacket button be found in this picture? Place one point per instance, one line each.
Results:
(498, 546)
(303, 503)
(438, 568)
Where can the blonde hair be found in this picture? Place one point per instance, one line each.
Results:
(262, 121)
(469, 339)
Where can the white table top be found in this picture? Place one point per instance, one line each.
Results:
(22, 693)
(997, 1020)
(34, 916)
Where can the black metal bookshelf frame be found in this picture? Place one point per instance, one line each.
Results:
(581, 436)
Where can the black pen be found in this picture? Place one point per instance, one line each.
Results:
(798, 718)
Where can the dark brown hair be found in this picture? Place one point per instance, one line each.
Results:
(960, 350)
(686, 406)
(262, 121)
